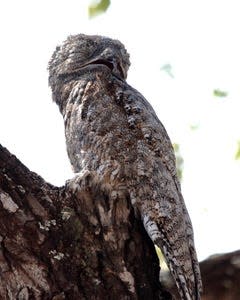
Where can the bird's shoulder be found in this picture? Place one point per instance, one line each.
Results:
(143, 119)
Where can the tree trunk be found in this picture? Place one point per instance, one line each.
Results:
(70, 242)
(221, 276)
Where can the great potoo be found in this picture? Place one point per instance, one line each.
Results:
(113, 132)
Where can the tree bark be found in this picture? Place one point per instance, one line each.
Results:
(221, 276)
(70, 242)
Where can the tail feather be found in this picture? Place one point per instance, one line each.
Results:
(180, 257)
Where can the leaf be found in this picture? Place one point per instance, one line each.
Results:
(219, 93)
(237, 155)
(162, 260)
(179, 160)
(168, 69)
(97, 8)
(194, 126)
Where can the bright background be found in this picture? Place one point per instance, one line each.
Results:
(200, 39)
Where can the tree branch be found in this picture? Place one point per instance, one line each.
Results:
(70, 243)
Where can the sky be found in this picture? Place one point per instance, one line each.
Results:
(199, 39)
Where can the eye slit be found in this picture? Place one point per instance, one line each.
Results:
(84, 52)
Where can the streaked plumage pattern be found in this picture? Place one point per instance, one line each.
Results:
(114, 133)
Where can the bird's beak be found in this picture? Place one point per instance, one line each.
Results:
(116, 67)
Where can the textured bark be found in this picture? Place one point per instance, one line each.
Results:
(221, 277)
(70, 242)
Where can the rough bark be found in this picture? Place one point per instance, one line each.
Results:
(221, 276)
(65, 243)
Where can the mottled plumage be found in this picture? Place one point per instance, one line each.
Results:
(114, 133)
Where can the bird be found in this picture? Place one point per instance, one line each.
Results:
(113, 132)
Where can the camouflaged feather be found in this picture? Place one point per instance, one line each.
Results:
(114, 133)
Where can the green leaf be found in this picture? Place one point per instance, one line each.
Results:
(179, 160)
(194, 126)
(237, 155)
(168, 69)
(219, 93)
(97, 8)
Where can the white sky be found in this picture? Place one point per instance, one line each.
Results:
(200, 39)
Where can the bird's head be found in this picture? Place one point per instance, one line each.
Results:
(81, 52)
